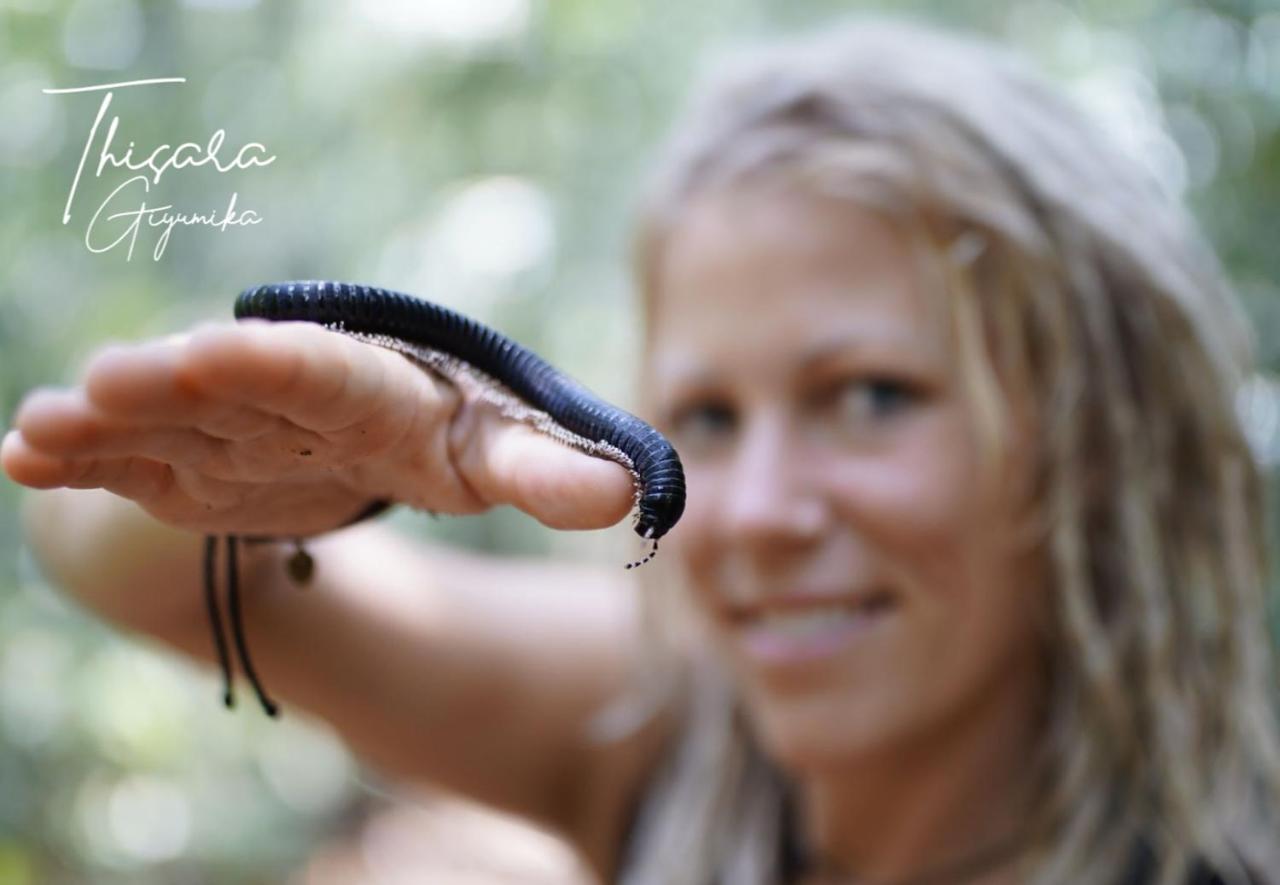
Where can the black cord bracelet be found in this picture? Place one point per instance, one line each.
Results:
(300, 568)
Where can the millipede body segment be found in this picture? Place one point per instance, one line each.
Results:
(465, 351)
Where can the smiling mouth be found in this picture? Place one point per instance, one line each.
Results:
(791, 630)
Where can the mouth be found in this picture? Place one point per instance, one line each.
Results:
(799, 628)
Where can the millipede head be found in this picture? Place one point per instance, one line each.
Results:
(659, 510)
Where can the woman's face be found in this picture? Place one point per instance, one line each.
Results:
(854, 572)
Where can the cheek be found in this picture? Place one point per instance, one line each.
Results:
(916, 502)
(936, 536)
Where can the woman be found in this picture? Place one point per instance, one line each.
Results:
(971, 575)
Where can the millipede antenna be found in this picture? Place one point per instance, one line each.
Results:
(651, 554)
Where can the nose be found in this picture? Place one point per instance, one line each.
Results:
(772, 497)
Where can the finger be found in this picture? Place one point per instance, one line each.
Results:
(257, 379)
(139, 383)
(144, 383)
(30, 467)
(284, 380)
(136, 478)
(64, 423)
(511, 463)
(165, 382)
(317, 379)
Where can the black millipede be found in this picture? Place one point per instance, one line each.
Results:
(470, 354)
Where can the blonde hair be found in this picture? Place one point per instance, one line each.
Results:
(1076, 287)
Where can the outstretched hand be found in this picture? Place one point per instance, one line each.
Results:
(290, 429)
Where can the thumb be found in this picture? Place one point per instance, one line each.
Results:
(506, 462)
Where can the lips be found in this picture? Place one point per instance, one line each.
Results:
(784, 606)
(794, 629)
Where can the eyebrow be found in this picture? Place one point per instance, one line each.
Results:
(837, 346)
(824, 351)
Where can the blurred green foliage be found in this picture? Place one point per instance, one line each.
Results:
(484, 153)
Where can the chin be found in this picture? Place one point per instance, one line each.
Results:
(816, 733)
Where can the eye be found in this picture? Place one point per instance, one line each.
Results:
(856, 402)
(701, 424)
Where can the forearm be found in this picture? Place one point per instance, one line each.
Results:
(144, 576)
(471, 672)
(147, 577)
(116, 560)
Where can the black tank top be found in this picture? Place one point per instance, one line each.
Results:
(792, 861)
